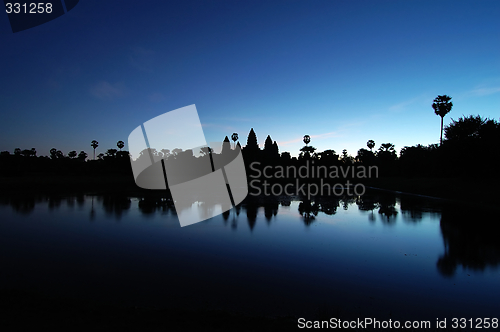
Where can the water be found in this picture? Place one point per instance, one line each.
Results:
(380, 255)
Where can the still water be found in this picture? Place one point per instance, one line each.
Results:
(380, 255)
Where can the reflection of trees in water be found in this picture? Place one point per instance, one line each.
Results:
(54, 202)
(270, 211)
(470, 240)
(412, 213)
(225, 216)
(285, 201)
(329, 207)
(25, 203)
(413, 207)
(387, 208)
(152, 204)
(115, 205)
(79, 199)
(329, 204)
(347, 201)
(367, 203)
(20, 204)
(385, 203)
(308, 210)
(235, 212)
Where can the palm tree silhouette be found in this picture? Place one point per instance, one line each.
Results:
(387, 147)
(234, 137)
(94, 144)
(442, 106)
(370, 144)
(53, 153)
(307, 151)
(120, 145)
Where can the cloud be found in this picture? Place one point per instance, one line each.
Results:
(107, 91)
(213, 125)
(400, 107)
(483, 91)
(240, 119)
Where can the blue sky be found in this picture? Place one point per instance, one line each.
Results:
(342, 72)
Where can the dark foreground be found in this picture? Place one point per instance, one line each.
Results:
(468, 244)
(24, 311)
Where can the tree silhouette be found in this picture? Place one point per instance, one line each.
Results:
(205, 151)
(328, 156)
(466, 128)
(370, 144)
(120, 145)
(345, 157)
(442, 106)
(82, 156)
(175, 152)
(53, 153)
(111, 152)
(307, 152)
(365, 156)
(26, 153)
(234, 137)
(72, 154)
(286, 156)
(386, 152)
(388, 147)
(166, 153)
(94, 144)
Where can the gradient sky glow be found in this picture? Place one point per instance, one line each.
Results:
(342, 72)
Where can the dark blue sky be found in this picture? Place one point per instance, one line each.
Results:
(343, 72)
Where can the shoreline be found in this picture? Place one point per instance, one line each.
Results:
(471, 190)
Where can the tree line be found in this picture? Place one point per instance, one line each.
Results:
(470, 147)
